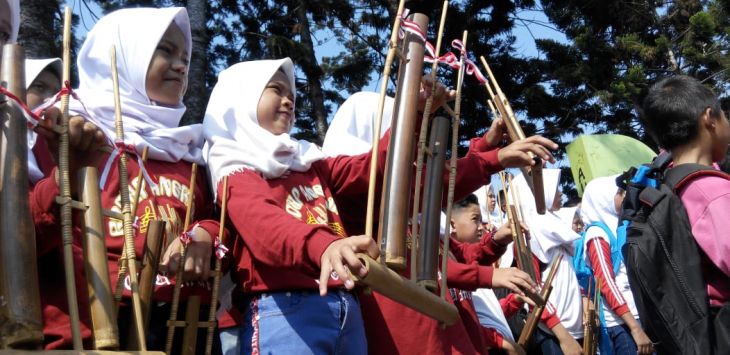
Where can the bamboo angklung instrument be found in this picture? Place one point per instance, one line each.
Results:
(589, 330)
(521, 245)
(129, 233)
(217, 272)
(20, 309)
(65, 190)
(534, 172)
(523, 258)
(452, 165)
(398, 177)
(416, 255)
(103, 321)
(534, 317)
(172, 323)
(428, 251)
(379, 277)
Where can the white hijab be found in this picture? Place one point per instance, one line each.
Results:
(14, 6)
(598, 203)
(351, 131)
(234, 139)
(135, 32)
(33, 67)
(547, 232)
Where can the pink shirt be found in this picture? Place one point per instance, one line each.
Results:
(707, 201)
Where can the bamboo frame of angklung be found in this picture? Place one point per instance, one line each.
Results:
(64, 182)
(217, 271)
(131, 261)
(172, 322)
(122, 270)
(516, 133)
(421, 152)
(379, 277)
(390, 57)
(452, 164)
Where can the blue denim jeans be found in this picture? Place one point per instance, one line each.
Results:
(299, 322)
(621, 340)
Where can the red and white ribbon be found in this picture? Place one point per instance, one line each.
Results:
(188, 236)
(119, 148)
(409, 26)
(31, 117)
(471, 67)
(220, 249)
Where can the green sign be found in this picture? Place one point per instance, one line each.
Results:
(598, 155)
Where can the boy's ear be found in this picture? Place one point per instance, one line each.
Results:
(706, 120)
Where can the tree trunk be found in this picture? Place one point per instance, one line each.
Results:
(37, 30)
(311, 69)
(196, 98)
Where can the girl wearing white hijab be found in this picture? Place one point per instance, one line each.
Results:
(351, 131)
(491, 213)
(42, 81)
(290, 240)
(601, 201)
(549, 237)
(153, 50)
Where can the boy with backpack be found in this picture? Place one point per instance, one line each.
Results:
(677, 251)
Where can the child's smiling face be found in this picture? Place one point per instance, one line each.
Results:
(167, 74)
(275, 111)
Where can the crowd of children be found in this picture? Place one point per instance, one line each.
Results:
(296, 212)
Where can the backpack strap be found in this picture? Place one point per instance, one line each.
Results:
(680, 175)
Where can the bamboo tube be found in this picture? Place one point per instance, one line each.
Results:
(428, 252)
(369, 217)
(192, 312)
(65, 190)
(217, 272)
(104, 324)
(20, 309)
(452, 167)
(179, 275)
(390, 284)
(127, 209)
(415, 225)
(148, 275)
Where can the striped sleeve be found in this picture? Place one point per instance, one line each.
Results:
(599, 254)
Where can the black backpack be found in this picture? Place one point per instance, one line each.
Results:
(663, 261)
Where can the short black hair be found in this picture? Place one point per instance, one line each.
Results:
(671, 110)
(466, 202)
